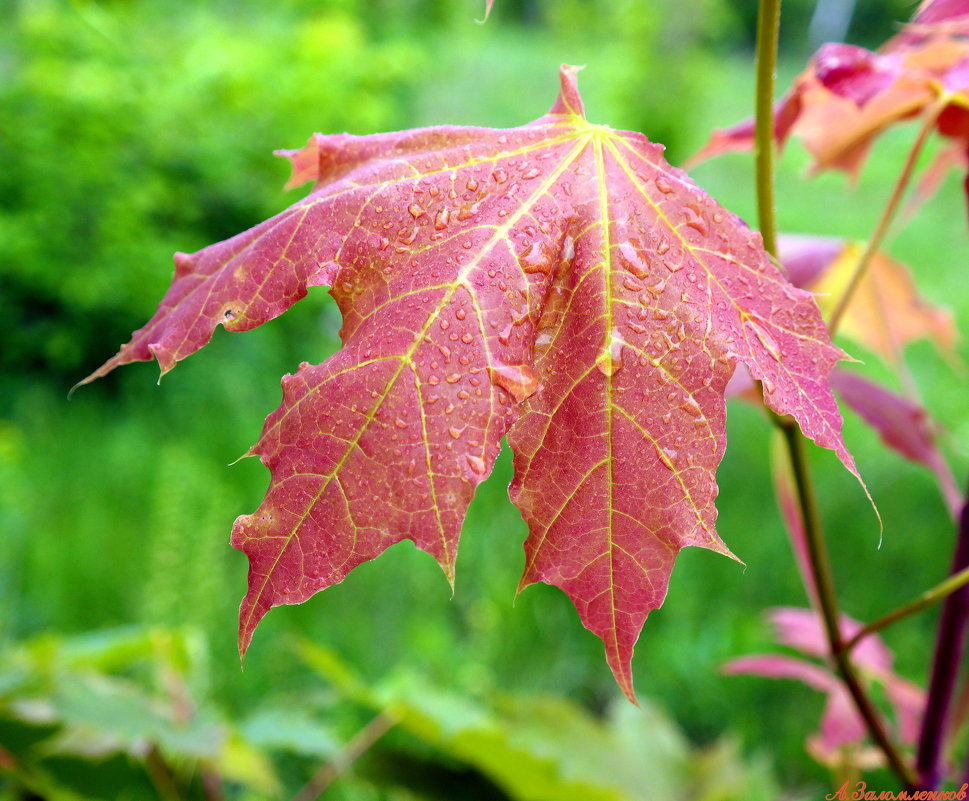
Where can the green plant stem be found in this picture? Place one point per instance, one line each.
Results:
(888, 213)
(768, 27)
(361, 742)
(828, 601)
(926, 600)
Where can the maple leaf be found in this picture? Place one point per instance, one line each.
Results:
(886, 311)
(560, 280)
(942, 15)
(849, 95)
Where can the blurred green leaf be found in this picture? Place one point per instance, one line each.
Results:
(545, 748)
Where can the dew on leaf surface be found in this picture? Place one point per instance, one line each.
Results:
(476, 463)
(519, 381)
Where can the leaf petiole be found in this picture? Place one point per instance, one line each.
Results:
(926, 600)
(888, 213)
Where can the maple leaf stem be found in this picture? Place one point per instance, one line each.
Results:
(768, 26)
(828, 598)
(360, 743)
(949, 647)
(888, 213)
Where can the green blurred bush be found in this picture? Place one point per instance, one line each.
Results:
(134, 127)
(125, 713)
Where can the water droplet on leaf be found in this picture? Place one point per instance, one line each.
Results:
(476, 463)
(630, 259)
(520, 381)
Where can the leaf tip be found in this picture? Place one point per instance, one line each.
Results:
(249, 617)
(568, 101)
(78, 385)
(248, 454)
(489, 4)
(621, 665)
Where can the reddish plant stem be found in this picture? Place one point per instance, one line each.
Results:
(949, 650)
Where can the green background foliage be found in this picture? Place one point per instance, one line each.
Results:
(133, 128)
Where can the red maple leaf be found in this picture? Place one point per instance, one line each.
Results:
(558, 281)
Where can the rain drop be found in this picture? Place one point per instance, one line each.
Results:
(631, 260)
(692, 407)
(476, 463)
(666, 456)
(468, 211)
(698, 225)
(759, 329)
(610, 360)
(520, 381)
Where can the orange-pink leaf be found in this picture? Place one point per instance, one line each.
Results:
(849, 95)
(560, 278)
